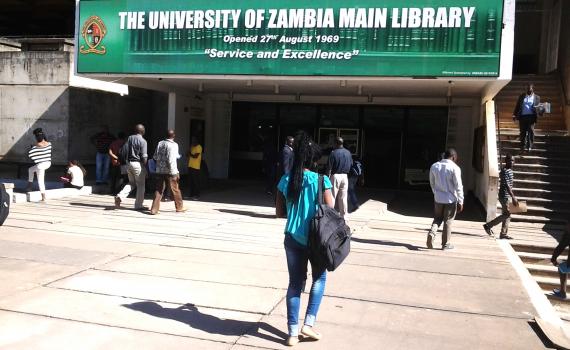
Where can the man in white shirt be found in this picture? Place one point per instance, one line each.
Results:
(447, 188)
(167, 175)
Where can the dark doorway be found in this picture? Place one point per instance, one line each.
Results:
(528, 28)
(397, 144)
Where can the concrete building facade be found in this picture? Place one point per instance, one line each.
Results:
(399, 122)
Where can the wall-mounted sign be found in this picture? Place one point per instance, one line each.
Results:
(321, 37)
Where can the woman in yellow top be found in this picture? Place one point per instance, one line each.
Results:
(194, 162)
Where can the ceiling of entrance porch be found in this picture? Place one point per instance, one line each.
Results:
(318, 86)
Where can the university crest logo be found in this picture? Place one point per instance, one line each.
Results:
(93, 32)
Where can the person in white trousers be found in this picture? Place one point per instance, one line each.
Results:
(340, 162)
(40, 154)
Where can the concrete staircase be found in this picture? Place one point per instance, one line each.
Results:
(534, 246)
(542, 176)
(542, 179)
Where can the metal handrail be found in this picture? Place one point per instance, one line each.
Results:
(498, 121)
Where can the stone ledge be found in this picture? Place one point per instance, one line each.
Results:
(36, 196)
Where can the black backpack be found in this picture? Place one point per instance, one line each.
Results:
(4, 204)
(329, 236)
(124, 153)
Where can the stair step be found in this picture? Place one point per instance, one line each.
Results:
(545, 177)
(537, 248)
(539, 270)
(541, 193)
(538, 219)
(542, 144)
(535, 258)
(545, 202)
(548, 283)
(525, 159)
(559, 151)
(539, 168)
(541, 184)
(532, 210)
(537, 132)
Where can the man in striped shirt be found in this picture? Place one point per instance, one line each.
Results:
(505, 190)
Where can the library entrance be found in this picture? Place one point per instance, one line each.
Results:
(397, 144)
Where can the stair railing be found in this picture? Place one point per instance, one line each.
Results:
(499, 146)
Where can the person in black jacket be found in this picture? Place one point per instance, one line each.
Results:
(286, 157)
(526, 113)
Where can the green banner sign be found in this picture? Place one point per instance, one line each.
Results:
(323, 37)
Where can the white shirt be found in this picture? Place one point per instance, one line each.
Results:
(76, 176)
(445, 181)
(166, 156)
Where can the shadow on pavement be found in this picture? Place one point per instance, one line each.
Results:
(247, 213)
(190, 315)
(420, 204)
(100, 206)
(388, 243)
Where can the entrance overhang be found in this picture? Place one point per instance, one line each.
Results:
(437, 87)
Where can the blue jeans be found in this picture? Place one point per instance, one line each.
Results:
(102, 161)
(297, 259)
(352, 199)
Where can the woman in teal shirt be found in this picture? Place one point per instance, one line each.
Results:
(299, 191)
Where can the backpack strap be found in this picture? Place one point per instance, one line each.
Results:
(321, 185)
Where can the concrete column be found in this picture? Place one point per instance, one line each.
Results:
(171, 110)
(492, 164)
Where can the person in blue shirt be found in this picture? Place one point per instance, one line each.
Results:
(526, 113)
(298, 192)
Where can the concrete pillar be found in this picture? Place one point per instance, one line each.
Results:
(171, 110)
(492, 164)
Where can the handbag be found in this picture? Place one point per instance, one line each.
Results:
(329, 235)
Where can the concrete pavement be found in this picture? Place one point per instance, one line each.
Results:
(79, 275)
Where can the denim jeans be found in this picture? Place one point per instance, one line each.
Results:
(352, 199)
(102, 161)
(297, 259)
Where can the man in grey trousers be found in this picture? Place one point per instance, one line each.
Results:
(447, 188)
(136, 168)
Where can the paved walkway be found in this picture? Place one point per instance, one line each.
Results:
(78, 275)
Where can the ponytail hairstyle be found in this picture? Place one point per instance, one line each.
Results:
(307, 153)
(39, 134)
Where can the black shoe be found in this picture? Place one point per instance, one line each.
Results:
(488, 230)
(505, 236)
(429, 241)
(447, 247)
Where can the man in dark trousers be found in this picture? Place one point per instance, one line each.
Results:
(447, 188)
(102, 140)
(340, 162)
(286, 157)
(194, 167)
(505, 190)
(526, 113)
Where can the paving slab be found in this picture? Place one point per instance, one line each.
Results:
(201, 271)
(222, 295)
(215, 278)
(161, 318)
(20, 275)
(24, 332)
